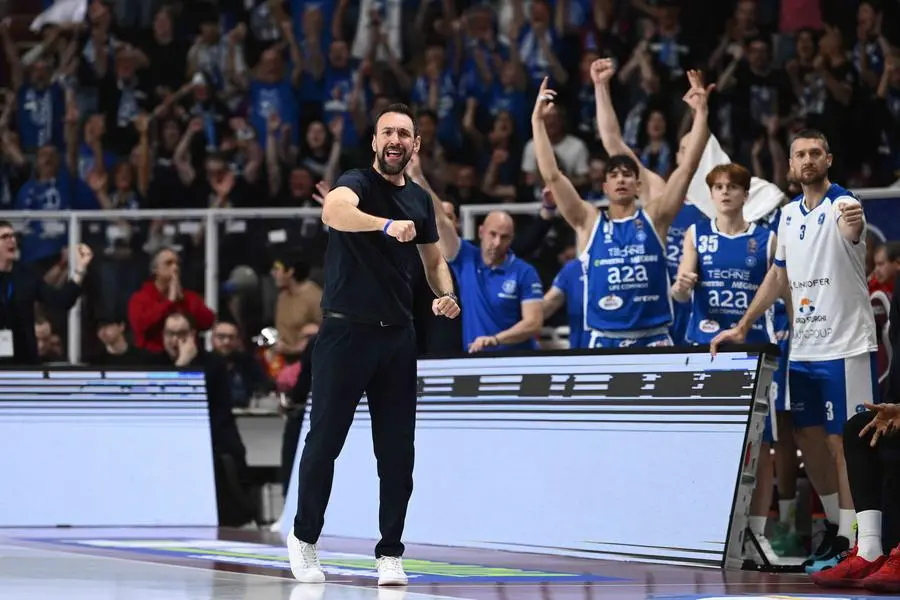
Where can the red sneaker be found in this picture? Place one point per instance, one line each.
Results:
(850, 572)
(887, 578)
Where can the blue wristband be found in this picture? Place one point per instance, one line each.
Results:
(386, 225)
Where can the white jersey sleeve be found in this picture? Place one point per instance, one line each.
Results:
(827, 275)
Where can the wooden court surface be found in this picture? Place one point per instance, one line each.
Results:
(150, 563)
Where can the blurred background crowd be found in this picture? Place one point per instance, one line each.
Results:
(127, 105)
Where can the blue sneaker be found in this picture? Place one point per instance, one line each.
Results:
(838, 551)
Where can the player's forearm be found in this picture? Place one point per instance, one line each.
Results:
(520, 332)
(439, 279)
(343, 216)
(607, 123)
(772, 289)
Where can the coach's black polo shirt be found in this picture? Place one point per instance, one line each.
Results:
(369, 276)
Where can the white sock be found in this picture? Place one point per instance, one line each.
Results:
(758, 525)
(845, 524)
(832, 508)
(787, 512)
(869, 522)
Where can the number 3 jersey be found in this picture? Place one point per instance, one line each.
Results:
(730, 269)
(827, 273)
(626, 279)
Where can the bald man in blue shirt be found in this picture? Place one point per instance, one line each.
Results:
(500, 293)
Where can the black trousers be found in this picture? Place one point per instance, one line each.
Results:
(874, 475)
(350, 359)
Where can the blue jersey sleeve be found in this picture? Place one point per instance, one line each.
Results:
(561, 281)
(530, 285)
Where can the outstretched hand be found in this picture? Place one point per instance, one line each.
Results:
(885, 422)
(697, 97)
(543, 104)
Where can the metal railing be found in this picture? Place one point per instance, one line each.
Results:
(212, 217)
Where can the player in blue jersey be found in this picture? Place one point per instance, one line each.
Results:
(652, 185)
(568, 289)
(724, 261)
(627, 298)
(723, 264)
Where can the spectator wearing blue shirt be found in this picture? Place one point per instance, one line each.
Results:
(51, 188)
(568, 288)
(500, 293)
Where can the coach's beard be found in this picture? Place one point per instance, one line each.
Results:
(389, 169)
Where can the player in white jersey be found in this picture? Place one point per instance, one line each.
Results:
(821, 255)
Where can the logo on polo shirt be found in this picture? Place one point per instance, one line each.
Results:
(508, 289)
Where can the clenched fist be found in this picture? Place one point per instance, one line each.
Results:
(684, 283)
(445, 306)
(402, 231)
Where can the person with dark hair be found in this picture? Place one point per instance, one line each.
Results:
(872, 449)
(887, 261)
(161, 296)
(182, 350)
(20, 288)
(116, 349)
(297, 305)
(820, 258)
(627, 299)
(380, 223)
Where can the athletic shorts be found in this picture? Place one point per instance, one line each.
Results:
(598, 340)
(829, 392)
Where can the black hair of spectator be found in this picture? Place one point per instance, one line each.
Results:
(402, 109)
(811, 134)
(186, 317)
(892, 249)
(4, 224)
(225, 321)
(623, 161)
(763, 39)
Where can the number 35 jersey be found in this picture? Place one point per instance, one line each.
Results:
(730, 268)
(626, 279)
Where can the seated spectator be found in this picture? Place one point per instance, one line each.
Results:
(245, 374)
(49, 346)
(160, 297)
(116, 349)
(182, 350)
(887, 261)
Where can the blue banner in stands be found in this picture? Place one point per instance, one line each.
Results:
(883, 216)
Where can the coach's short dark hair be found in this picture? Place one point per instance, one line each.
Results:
(812, 134)
(402, 109)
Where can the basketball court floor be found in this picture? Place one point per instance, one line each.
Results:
(201, 564)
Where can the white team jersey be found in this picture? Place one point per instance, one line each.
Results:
(827, 274)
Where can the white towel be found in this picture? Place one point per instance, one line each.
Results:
(62, 11)
(764, 195)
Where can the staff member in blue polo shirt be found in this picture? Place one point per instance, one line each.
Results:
(500, 293)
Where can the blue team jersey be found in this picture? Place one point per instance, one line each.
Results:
(570, 281)
(730, 268)
(687, 216)
(627, 282)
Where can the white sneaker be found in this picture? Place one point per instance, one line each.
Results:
(768, 553)
(305, 563)
(390, 571)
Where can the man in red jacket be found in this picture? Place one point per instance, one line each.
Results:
(160, 297)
